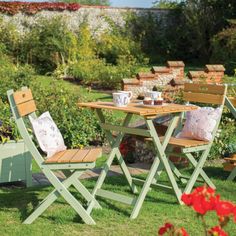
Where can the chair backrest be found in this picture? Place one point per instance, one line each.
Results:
(205, 93)
(22, 104)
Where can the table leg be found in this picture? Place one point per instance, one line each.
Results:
(159, 162)
(115, 143)
(161, 152)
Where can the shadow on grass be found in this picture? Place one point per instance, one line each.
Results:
(16, 196)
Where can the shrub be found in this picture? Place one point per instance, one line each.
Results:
(118, 42)
(79, 127)
(48, 44)
(224, 48)
(10, 38)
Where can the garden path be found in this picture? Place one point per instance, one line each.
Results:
(135, 169)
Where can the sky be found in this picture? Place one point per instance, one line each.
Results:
(131, 3)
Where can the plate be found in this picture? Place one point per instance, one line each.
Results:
(153, 106)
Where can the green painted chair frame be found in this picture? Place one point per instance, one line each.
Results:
(71, 170)
(203, 94)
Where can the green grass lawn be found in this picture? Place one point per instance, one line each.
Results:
(60, 219)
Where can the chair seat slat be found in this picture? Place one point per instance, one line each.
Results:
(68, 155)
(81, 154)
(55, 157)
(91, 156)
(185, 142)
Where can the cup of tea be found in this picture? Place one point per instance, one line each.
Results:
(120, 99)
(154, 95)
(130, 94)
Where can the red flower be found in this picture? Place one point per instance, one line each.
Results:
(167, 227)
(217, 231)
(187, 199)
(234, 212)
(224, 208)
(183, 232)
(202, 199)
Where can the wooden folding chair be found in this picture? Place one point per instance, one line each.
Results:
(71, 162)
(201, 94)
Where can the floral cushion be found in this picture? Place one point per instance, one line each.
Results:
(48, 135)
(200, 123)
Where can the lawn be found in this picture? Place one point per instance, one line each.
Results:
(60, 219)
(16, 202)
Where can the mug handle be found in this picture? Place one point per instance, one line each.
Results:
(126, 100)
(130, 94)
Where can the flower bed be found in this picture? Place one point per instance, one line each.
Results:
(31, 8)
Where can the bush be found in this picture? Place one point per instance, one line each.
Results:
(79, 127)
(10, 39)
(224, 48)
(226, 136)
(48, 44)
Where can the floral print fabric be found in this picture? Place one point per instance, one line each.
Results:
(200, 123)
(47, 134)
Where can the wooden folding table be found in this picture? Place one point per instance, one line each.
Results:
(148, 113)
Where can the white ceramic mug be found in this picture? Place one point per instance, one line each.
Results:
(120, 99)
(154, 95)
(130, 94)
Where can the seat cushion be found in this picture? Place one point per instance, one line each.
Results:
(75, 156)
(47, 134)
(200, 123)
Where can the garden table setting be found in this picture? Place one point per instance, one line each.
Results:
(150, 108)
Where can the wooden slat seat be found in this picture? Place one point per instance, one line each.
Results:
(75, 156)
(186, 143)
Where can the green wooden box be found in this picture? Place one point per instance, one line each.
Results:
(15, 163)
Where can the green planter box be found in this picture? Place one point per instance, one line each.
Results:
(15, 163)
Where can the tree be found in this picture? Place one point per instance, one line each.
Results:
(165, 4)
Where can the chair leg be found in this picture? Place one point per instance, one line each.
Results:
(81, 189)
(46, 203)
(202, 173)
(60, 189)
(198, 170)
(232, 174)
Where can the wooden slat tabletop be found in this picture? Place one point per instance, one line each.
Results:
(139, 109)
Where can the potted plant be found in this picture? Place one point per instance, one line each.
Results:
(15, 160)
